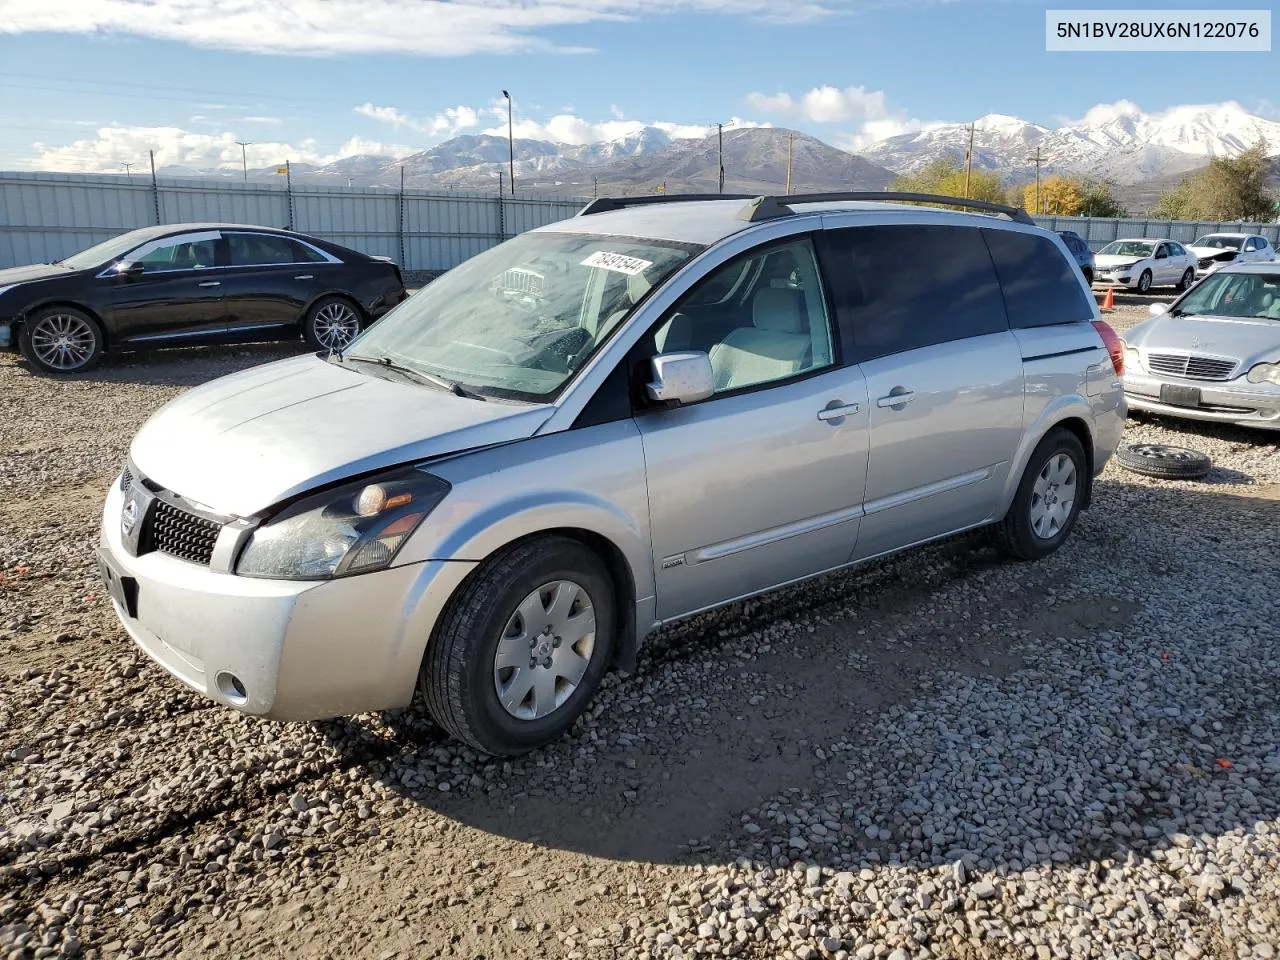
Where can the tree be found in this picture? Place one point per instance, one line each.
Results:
(1059, 197)
(946, 178)
(1231, 188)
(1100, 199)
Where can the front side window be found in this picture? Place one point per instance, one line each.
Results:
(1250, 245)
(760, 318)
(177, 253)
(519, 320)
(912, 285)
(1176, 249)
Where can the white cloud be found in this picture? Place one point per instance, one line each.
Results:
(576, 131)
(325, 27)
(827, 104)
(447, 122)
(1104, 113)
(175, 146)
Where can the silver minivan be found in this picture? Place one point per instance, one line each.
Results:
(659, 406)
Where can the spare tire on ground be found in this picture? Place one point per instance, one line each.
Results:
(1163, 461)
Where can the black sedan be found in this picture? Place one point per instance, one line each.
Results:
(192, 283)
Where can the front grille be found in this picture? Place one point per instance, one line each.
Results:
(183, 535)
(1203, 262)
(1192, 367)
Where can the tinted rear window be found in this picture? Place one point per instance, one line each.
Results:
(910, 286)
(1041, 287)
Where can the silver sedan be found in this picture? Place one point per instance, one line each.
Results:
(1214, 354)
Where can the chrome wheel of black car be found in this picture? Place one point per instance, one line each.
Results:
(332, 324)
(61, 340)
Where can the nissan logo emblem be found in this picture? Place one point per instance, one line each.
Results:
(129, 517)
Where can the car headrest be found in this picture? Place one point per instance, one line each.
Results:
(779, 309)
(637, 287)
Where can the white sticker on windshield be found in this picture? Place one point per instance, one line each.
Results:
(618, 262)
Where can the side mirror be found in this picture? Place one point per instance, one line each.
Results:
(128, 272)
(684, 377)
(1162, 255)
(1158, 309)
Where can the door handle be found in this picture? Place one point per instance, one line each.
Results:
(838, 412)
(898, 398)
(210, 283)
(306, 276)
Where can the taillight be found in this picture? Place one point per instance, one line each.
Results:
(1113, 345)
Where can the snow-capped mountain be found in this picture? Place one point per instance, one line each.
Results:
(1120, 142)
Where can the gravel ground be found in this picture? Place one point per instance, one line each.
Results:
(940, 755)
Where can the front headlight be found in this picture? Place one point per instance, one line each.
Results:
(1265, 373)
(355, 528)
(1131, 356)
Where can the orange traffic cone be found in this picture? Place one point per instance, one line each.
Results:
(1109, 301)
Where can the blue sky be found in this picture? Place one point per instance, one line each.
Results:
(89, 84)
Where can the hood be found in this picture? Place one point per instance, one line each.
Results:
(1250, 341)
(1116, 260)
(242, 443)
(34, 271)
(1213, 253)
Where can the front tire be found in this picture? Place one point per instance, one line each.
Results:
(61, 341)
(1048, 500)
(1187, 279)
(331, 323)
(1144, 282)
(521, 649)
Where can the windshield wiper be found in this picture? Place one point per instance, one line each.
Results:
(456, 389)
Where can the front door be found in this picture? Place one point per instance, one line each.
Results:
(178, 294)
(759, 484)
(944, 378)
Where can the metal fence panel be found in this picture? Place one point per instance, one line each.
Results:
(1099, 231)
(48, 216)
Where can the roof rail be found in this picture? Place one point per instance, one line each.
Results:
(765, 208)
(605, 204)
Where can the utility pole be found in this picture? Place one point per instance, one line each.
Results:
(968, 163)
(126, 169)
(791, 140)
(595, 186)
(244, 162)
(511, 145)
(1037, 181)
(500, 181)
(720, 153)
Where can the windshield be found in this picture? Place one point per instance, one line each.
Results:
(1219, 242)
(1129, 248)
(1254, 296)
(519, 320)
(103, 252)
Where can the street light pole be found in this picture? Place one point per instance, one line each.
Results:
(720, 152)
(244, 161)
(511, 145)
(126, 169)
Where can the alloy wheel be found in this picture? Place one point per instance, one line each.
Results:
(63, 341)
(335, 325)
(1052, 496)
(544, 650)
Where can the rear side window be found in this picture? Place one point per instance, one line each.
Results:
(908, 286)
(1041, 287)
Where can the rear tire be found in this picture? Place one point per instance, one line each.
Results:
(61, 341)
(1048, 500)
(331, 323)
(471, 680)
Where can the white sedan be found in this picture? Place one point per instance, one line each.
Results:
(1214, 251)
(1142, 264)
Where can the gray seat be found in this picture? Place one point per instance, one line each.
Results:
(776, 345)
